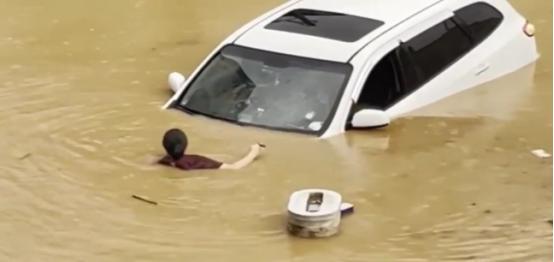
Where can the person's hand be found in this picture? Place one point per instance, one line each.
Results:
(255, 149)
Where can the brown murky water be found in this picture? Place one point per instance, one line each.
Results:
(81, 86)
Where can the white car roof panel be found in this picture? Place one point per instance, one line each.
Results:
(391, 12)
(331, 25)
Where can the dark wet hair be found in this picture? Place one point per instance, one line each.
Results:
(175, 143)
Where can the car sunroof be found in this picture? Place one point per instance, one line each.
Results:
(337, 26)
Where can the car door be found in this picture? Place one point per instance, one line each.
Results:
(435, 62)
(430, 64)
(427, 61)
(393, 74)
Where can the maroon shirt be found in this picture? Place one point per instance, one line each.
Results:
(191, 162)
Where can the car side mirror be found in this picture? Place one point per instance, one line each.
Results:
(176, 80)
(370, 118)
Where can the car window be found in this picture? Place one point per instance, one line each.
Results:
(382, 87)
(259, 88)
(408, 70)
(433, 51)
(481, 20)
(408, 67)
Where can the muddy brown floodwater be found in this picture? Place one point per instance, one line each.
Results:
(81, 86)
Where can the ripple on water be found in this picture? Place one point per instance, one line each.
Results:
(495, 240)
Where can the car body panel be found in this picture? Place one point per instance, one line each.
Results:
(327, 49)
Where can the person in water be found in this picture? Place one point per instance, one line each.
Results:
(175, 143)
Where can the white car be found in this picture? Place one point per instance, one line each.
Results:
(321, 67)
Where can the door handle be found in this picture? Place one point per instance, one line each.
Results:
(482, 68)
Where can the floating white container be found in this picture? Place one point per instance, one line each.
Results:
(314, 213)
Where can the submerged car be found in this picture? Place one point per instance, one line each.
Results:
(322, 67)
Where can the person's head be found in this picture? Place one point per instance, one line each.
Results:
(175, 143)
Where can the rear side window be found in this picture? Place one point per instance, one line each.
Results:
(434, 50)
(481, 19)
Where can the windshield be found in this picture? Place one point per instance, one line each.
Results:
(272, 90)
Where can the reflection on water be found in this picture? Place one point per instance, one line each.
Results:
(81, 86)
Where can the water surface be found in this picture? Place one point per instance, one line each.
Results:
(81, 86)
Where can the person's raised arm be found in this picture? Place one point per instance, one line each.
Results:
(246, 160)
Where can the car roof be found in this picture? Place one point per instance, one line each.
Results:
(391, 12)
